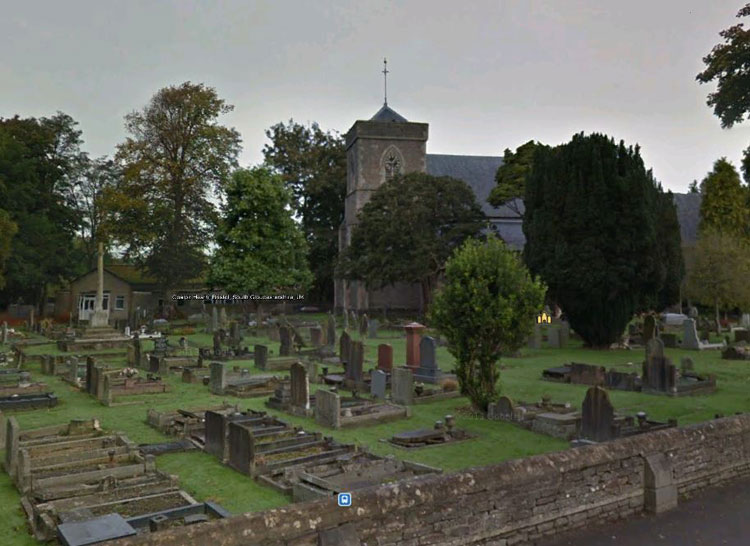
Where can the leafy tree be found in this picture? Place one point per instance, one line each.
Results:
(261, 249)
(8, 229)
(485, 309)
(595, 234)
(409, 228)
(718, 272)
(693, 187)
(727, 65)
(39, 159)
(312, 164)
(176, 158)
(724, 206)
(511, 176)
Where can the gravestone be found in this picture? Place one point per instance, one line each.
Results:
(378, 383)
(372, 331)
(650, 328)
(327, 408)
(218, 380)
(402, 386)
(353, 319)
(72, 363)
(160, 346)
(223, 322)
(330, 331)
(745, 320)
(299, 386)
(659, 373)
(345, 345)
(535, 339)
(364, 325)
(356, 361)
(690, 335)
(385, 357)
(428, 369)
(273, 333)
(316, 336)
(413, 338)
(654, 348)
(261, 356)
(597, 416)
(214, 319)
(285, 337)
(553, 338)
(686, 365)
(504, 408)
(234, 335)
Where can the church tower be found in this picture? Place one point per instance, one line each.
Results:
(376, 150)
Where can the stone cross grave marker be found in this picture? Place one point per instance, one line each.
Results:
(402, 386)
(597, 416)
(377, 384)
(385, 357)
(299, 386)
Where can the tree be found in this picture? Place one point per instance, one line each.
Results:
(177, 157)
(409, 228)
(39, 159)
(485, 309)
(511, 176)
(261, 249)
(727, 65)
(718, 273)
(8, 229)
(596, 233)
(312, 164)
(724, 206)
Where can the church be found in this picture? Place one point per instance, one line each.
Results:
(387, 145)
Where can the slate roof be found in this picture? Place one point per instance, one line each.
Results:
(387, 114)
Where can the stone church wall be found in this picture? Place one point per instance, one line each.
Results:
(514, 502)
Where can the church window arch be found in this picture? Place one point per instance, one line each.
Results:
(391, 163)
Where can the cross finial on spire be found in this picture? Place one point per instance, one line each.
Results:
(385, 81)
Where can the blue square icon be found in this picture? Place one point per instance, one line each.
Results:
(345, 499)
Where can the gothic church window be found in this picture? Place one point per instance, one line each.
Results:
(392, 163)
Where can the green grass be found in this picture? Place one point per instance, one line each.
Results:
(206, 479)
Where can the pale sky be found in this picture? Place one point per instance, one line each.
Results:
(485, 75)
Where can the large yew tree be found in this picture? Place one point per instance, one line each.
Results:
(177, 157)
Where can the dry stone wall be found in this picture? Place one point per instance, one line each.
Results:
(515, 502)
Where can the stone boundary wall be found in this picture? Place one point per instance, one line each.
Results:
(514, 502)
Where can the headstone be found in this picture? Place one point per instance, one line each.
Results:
(160, 346)
(345, 344)
(372, 331)
(273, 333)
(377, 384)
(346, 320)
(218, 381)
(654, 348)
(650, 328)
(285, 337)
(686, 365)
(553, 337)
(299, 386)
(428, 368)
(690, 335)
(330, 331)
(504, 408)
(413, 338)
(327, 408)
(364, 325)
(353, 319)
(356, 361)
(597, 416)
(535, 339)
(234, 335)
(72, 369)
(402, 386)
(316, 336)
(261, 356)
(745, 320)
(385, 357)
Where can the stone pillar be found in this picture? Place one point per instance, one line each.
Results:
(413, 338)
(100, 316)
(660, 491)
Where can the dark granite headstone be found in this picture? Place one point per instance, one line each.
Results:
(285, 338)
(378, 384)
(597, 416)
(300, 386)
(261, 356)
(356, 361)
(345, 344)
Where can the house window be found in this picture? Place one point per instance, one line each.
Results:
(120, 303)
(105, 302)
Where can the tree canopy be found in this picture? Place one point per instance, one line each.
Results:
(409, 228)
(511, 176)
(485, 309)
(261, 249)
(175, 160)
(312, 164)
(601, 233)
(725, 204)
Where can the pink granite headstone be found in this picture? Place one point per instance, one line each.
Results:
(413, 337)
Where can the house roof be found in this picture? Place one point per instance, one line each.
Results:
(138, 278)
(387, 114)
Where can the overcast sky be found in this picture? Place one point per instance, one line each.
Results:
(485, 75)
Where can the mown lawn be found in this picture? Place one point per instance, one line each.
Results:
(205, 478)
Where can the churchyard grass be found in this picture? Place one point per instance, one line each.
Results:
(205, 478)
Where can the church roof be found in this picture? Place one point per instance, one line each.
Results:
(387, 114)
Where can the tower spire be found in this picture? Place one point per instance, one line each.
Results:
(385, 81)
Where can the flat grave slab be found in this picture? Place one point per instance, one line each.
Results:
(93, 531)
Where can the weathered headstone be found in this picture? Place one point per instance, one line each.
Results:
(372, 331)
(330, 330)
(654, 348)
(353, 319)
(503, 409)
(345, 345)
(261, 356)
(364, 325)
(299, 386)
(745, 320)
(285, 338)
(235, 338)
(428, 368)
(690, 335)
(356, 361)
(597, 416)
(218, 381)
(385, 357)
(377, 384)
(327, 408)
(346, 320)
(214, 318)
(316, 336)
(686, 365)
(402, 386)
(223, 322)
